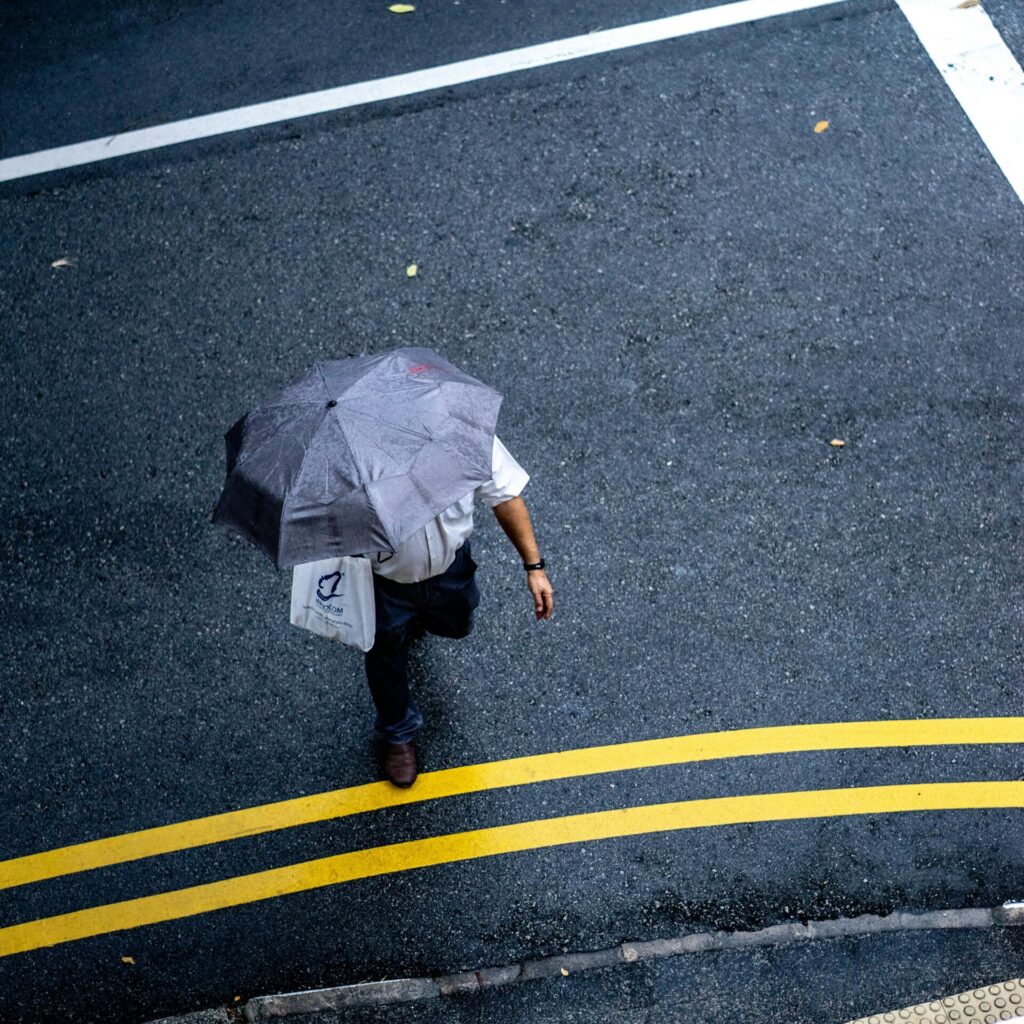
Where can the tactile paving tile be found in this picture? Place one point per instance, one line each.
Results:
(994, 1003)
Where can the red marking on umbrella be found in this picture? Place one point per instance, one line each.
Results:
(421, 368)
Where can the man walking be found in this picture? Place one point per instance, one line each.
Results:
(428, 585)
(350, 459)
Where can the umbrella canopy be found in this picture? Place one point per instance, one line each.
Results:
(356, 455)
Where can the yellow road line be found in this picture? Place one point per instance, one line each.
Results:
(516, 771)
(488, 842)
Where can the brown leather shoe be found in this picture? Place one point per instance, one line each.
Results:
(398, 762)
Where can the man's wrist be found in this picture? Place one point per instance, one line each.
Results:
(534, 566)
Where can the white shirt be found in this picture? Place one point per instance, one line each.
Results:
(431, 550)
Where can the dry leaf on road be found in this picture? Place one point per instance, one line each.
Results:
(820, 127)
(402, 8)
(837, 443)
(411, 270)
(127, 959)
(62, 262)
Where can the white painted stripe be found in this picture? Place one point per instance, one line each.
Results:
(982, 72)
(378, 89)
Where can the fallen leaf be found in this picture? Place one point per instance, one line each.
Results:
(820, 127)
(837, 443)
(402, 8)
(969, 3)
(565, 973)
(127, 959)
(238, 999)
(62, 262)
(411, 270)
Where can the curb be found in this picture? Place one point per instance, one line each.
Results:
(262, 1009)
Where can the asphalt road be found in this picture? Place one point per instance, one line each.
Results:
(142, 64)
(685, 293)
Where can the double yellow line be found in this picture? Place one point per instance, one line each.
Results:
(507, 838)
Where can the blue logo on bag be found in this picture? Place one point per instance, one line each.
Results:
(327, 586)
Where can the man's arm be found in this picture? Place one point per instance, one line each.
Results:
(514, 519)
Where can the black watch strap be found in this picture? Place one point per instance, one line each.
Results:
(534, 565)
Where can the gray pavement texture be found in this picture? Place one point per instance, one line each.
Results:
(147, 63)
(827, 982)
(181, 58)
(684, 294)
(1008, 18)
(345, 997)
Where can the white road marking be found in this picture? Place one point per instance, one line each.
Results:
(982, 72)
(378, 89)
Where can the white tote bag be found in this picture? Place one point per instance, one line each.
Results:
(334, 598)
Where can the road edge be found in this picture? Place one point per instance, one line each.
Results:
(262, 1009)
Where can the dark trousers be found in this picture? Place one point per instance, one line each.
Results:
(442, 605)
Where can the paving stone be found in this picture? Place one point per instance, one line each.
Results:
(494, 977)
(458, 984)
(551, 966)
(293, 1003)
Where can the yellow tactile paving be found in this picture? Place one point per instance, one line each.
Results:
(989, 1005)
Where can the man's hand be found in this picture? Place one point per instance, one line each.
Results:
(543, 593)
(514, 519)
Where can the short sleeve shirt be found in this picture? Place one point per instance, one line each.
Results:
(431, 550)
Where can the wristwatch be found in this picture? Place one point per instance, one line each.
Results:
(529, 567)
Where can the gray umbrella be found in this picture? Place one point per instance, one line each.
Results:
(356, 455)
